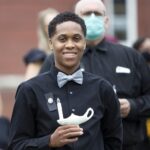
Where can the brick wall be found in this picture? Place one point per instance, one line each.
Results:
(143, 18)
(18, 29)
(18, 33)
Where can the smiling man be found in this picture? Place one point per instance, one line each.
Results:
(48, 107)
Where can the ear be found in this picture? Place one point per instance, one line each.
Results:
(50, 45)
(84, 46)
(106, 22)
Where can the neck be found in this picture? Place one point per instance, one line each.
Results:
(68, 70)
(94, 42)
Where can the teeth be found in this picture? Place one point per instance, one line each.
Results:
(69, 53)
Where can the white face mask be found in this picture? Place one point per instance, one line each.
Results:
(73, 119)
(95, 26)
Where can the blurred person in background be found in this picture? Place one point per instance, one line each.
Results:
(44, 17)
(111, 39)
(4, 127)
(143, 46)
(33, 60)
(122, 66)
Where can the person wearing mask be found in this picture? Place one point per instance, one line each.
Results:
(122, 66)
(53, 110)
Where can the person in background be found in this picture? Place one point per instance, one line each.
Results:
(143, 46)
(4, 127)
(58, 109)
(44, 17)
(33, 60)
(122, 66)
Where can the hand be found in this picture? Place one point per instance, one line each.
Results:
(64, 135)
(124, 107)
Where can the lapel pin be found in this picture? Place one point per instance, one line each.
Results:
(50, 100)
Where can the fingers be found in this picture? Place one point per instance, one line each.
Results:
(65, 135)
(124, 107)
(68, 126)
(67, 141)
(70, 131)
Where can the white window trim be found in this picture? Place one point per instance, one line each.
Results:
(131, 16)
(132, 23)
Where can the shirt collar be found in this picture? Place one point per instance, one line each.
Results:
(100, 47)
(54, 70)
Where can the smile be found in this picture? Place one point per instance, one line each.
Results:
(70, 53)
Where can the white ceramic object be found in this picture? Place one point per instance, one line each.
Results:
(73, 119)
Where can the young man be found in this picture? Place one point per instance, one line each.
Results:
(58, 109)
(124, 68)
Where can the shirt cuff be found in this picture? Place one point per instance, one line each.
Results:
(133, 109)
(43, 141)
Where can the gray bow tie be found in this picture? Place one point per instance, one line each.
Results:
(62, 78)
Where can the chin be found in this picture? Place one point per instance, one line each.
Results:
(71, 65)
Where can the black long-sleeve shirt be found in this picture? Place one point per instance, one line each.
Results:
(34, 119)
(127, 71)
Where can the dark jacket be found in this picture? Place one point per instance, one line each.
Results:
(34, 118)
(128, 73)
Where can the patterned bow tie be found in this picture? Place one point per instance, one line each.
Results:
(62, 78)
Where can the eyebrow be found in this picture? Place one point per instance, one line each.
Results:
(95, 12)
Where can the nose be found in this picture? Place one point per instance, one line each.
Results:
(92, 15)
(70, 44)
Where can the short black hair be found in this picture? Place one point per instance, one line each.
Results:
(64, 17)
(138, 43)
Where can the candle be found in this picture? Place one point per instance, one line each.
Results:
(59, 107)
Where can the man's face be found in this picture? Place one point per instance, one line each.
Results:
(87, 8)
(90, 8)
(68, 45)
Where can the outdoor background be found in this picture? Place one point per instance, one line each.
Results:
(18, 33)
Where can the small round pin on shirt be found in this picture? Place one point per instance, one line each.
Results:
(50, 100)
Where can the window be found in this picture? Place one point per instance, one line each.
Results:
(120, 26)
(123, 20)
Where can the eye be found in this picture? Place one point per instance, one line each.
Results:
(77, 38)
(96, 13)
(62, 38)
(88, 13)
